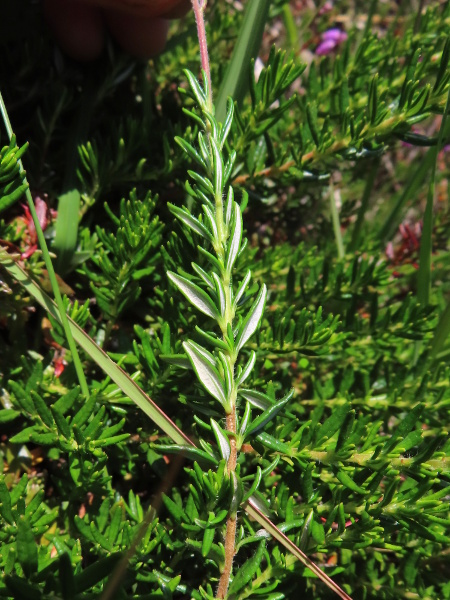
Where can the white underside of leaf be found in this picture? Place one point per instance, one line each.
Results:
(196, 297)
(206, 373)
(250, 324)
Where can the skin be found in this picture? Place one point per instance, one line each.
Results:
(139, 26)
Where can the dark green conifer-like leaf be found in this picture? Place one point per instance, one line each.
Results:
(248, 570)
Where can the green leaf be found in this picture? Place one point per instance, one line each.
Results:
(248, 570)
(252, 320)
(188, 451)
(254, 486)
(196, 296)
(190, 221)
(273, 444)
(66, 234)
(333, 423)
(31, 434)
(8, 414)
(95, 572)
(176, 511)
(317, 532)
(246, 370)
(410, 420)
(218, 168)
(220, 291)
(207, 542)
(234, 244)
(190, 151)
(5, 503)
(27, 551)
(256, 399)
(196, 89)
(241, 289)
(245, 419)
(235, 80)
(268, 415)
(206, 372)
(221, 439)
(348, 482)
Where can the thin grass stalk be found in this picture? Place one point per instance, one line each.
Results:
(356, 235)
(336, 224)
(291, 29)
(49, 265)
(426, 242)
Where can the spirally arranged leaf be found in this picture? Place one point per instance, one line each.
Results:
(222, 440)
(192, 222)
(196, 296)
(206, 373)
(235, 238)
(251, 322)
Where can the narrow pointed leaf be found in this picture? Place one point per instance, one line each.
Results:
(235, 239)
(196, 296)
(248, 570)
(195, 88)
(268, 415)
(206, 373)
(242, 287)
(190, 221)
(222, 440)
(247, 369)
(251, 322)
(220, 293)
(218, 168)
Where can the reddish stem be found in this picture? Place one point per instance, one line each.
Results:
(199, 8)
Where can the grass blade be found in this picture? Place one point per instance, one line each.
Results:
(109, 367)
(235, 81)
(426, 242)
(67, 229)
(271, 528)
(410, 191)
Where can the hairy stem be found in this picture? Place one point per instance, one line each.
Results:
(199, 8)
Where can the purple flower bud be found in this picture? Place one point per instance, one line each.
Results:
(325, 47)
(333, 34)
(330, 39)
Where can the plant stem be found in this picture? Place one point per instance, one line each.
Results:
(230, 541)
(336, 224)
(223, 232)
(199, 8)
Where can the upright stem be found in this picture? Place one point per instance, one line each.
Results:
(230, 534)
(199, 8)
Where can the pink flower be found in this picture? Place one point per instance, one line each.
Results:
(326, 8)
(330, 39)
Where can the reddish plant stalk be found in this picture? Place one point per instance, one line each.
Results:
(199, 9)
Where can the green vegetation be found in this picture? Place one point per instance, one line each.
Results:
(241, 388)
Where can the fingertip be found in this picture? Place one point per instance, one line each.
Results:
(77, 27)
(141, 37)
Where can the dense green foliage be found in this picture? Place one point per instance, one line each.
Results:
(305, 282)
